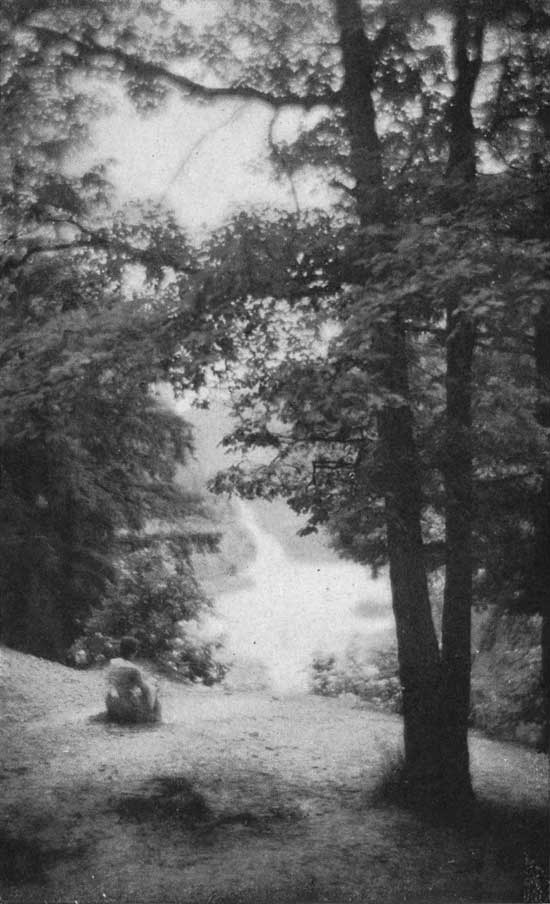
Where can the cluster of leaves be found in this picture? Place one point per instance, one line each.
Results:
(507, 690)
(308, 388)
(372, 678)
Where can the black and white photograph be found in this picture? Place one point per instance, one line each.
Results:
(274, 451)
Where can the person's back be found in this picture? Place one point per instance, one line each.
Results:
(129, 697)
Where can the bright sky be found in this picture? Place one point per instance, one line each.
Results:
(197, 158)
(204, 160)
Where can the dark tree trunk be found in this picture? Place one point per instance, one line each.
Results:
(541, 577)
(418, 653)
(458, 465)
(417, 643)
(435, 688)
(456, 623)
(467, 44)
(366, 152)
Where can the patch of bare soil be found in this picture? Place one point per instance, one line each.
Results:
(241, 798)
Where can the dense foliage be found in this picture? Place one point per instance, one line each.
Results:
(389, 356)
(90, 300)
(155, 596)
(371, 678)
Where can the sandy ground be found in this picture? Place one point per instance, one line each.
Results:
(240, 797)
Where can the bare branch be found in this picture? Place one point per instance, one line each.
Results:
(13, 262)
(197, 144)
(275, 151)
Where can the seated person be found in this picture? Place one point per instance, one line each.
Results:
(129, 697)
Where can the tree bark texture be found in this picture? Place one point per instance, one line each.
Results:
(358, 60)
(457, 603)
(468, 33)
(418, 653)
(417, 642)
(468, 46)
(541, 577)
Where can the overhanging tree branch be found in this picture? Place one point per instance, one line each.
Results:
(97, 239)
(132, 64)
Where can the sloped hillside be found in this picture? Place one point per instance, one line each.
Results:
(243, 798)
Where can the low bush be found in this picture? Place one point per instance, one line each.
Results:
(507, 696)
(370, 676)
(160, 606)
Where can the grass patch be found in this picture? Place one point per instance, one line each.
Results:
(174, 799)
(26, 860)
(390, 787)
(170, 798)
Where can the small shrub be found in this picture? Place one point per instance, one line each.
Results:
(152, 602)
(507, 697)
(372, 677)
(507, 694)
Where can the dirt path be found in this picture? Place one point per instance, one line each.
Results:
(236, 797)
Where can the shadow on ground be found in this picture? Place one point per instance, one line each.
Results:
(173, 800)
(517, 836)
(28, 860)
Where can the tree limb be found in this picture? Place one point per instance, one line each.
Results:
(95, 239)
(135, 65)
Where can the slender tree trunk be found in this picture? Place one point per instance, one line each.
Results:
(419, 666)
(456, 622)
(468, 34)
(417, 642)
(467, 45)
(541, 578)
(366, 151)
